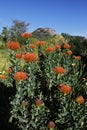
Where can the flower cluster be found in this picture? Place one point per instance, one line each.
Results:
(3, 76)
(51, 125)
(13, 45)
(59, 70)
(67, 46)
(80, 100)
(32, 46)
(57, 47)
(19, 76)
(66, 89)
(40, 43)
(77, 57)
(30, 57)
(19, 55)
(39, 102)
(26, 35)
(69, 52)
(50, 49)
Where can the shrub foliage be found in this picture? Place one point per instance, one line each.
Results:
(50, 88)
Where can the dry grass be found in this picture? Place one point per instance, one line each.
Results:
(3, 59)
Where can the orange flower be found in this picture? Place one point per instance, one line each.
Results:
(24, 103)
(57, 47)
(9, 70)
(80, 100)
(18, 55)
(39, 102)
(32, 46)
(26, 35)
(59, 70)
(20, 76)
(41, 43)
(13, 45)
(65, 89)
(66, 45)
(69, 52)
(77, 57)
(51, 125)
(3, 76)
(50, 49)
(30, 57)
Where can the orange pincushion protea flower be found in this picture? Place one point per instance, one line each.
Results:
(18, 55)
(39, 102)
(66, 89)
(9, 70)
(26, 35)
(41, 43)
(57, 47)
(24, 103)
(69, 52)
(77, 57)
(59, 70)
(30, 57)
(13, 45)
(50, 49)
(80, 100)
(66, 46)
(32, 46)
(20, 76)
(3, 76)
(51, 125)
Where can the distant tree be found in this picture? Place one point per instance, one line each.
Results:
(5, 34)
(17, 29)
(66, 36)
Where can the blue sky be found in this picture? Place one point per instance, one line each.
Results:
(68, 16)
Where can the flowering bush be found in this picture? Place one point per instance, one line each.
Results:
(51, 94)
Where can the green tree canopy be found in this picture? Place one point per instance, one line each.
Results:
(17, 29)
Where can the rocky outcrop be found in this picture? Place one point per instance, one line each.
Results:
(43, 33)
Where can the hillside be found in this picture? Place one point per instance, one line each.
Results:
(43, 33)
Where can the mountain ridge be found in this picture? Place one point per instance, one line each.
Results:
(44, 33)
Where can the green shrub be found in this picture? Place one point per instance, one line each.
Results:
(51, 93)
